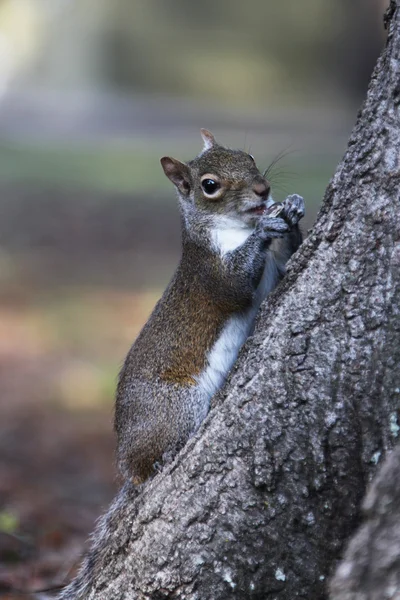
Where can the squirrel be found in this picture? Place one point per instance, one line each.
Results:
(235, 243)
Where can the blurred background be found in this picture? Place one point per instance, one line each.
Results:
(92, 94)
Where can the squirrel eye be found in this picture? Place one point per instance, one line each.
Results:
(210, 186)
(252, 158)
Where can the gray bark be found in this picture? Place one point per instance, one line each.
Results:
(261, 501)
(371, 566)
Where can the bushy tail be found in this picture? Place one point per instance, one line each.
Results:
(108, 537)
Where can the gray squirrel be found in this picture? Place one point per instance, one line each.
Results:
(235, 244)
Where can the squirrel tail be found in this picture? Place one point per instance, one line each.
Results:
(106, 540)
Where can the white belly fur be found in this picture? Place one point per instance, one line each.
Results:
(228, 234)
(225, 350)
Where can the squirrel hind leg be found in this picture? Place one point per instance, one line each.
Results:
(133, 469)
(144, 468)
(153, 423)
(142, 456)
(138, 470)
(143, 471)
(139, 464)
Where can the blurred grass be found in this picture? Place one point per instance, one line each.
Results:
(77, 336)
(102, 167)
(117, 168)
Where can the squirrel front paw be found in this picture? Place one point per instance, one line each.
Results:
(293, 209)
(272, 227)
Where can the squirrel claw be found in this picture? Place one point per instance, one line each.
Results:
(293, 208)
(272, 227)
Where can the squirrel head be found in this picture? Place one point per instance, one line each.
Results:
(220, 181)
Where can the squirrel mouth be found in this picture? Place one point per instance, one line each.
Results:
(257, 210)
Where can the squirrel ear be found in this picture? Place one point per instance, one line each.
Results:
(208, 139)
(177, 172)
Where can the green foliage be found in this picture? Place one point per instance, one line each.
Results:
(8, 522)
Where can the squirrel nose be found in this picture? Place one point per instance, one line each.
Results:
(261, 188)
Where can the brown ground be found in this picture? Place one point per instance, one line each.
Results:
(56, 476)
(60, 352)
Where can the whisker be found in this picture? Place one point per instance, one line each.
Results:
(282, 154)
(274, 161)
(245, 140)
(280, 186)
(283, 175)
(283, 170)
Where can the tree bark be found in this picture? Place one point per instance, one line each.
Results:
(371, 566)
(261, 501)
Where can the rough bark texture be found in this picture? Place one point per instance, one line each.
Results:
(260, 502)
(371, 566)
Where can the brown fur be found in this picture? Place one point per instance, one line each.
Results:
(186, 321)
(159, 403)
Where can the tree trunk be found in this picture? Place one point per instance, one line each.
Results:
(261, 501)
(371, 567)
